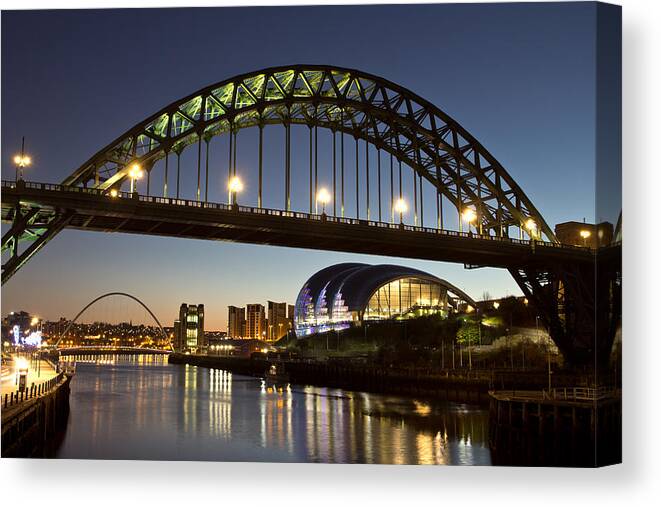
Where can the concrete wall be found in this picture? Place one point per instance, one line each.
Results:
(33, 429)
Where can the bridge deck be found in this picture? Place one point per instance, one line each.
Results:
(95, 210)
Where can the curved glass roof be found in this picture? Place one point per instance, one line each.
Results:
(357, 282)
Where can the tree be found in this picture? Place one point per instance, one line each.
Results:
(468, 333)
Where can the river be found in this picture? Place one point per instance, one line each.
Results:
(141, 407)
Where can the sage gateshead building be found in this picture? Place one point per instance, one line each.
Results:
(348, 294)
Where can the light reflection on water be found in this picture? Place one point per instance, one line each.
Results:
(140, 407)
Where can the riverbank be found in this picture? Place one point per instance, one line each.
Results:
(562, 427)
(466, 386)
(33, 427)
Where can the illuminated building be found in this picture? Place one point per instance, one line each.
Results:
(236, 322)
(21, 328)
(278, 324)
(177, 342)
(350, 293)
(189, 329)
(582, 234)
(255, 325)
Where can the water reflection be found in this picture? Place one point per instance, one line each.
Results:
(142, 408)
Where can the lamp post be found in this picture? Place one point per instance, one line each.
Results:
(401, 207)
(548, 352)
(324, 197)
(585, 234)
(234, 186)
(21, 161)
(531, 226)
(470, 216)
(135, 173)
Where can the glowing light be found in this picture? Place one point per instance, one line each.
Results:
(17, 334)
(21, 364)
(400, 206)
(531, 225)
(33, 339)
(496, 304)
(324, 197)
(585, 234)
(22, 160)
(235, 185)
(114, 193)
(469, 215)
(34, 321)
(135, 171)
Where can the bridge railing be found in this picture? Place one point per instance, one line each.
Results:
(579, 393)
(173, 201)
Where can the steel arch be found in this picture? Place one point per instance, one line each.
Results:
(344, 100)
(108, 294)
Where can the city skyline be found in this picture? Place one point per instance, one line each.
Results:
(524, 65)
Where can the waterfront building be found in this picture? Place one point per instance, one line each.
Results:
(350, 293)
(277, 322)
(236, 322)
(583, 234)
(189, 329)
(177, 342)
(255, 325)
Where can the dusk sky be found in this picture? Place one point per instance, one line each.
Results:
(519, 77)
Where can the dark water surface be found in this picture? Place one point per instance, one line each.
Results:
(140, 407)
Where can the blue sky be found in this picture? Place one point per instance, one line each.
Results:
(519, 77)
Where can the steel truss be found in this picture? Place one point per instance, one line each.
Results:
(569, 296)
(345, 101)
(33, 225)
(579, 303)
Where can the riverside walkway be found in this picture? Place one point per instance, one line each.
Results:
(39, 371)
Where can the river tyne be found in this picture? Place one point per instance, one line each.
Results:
(141, 407)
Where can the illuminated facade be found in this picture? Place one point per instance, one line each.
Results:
(236, 322)
(582, 234)
(350, 293)
(255, 322)
(189, 329)
(277, 322)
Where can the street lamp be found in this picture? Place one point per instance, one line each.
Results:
(324, 197)
(22, 160)
(135, 173)
(531, 225)
(496, 304)
(401, 207)
(585, 234)
(234, 186)
(470, 216)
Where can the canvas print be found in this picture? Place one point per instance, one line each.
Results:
(385, 234)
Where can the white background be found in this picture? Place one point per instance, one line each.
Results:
(636, 482)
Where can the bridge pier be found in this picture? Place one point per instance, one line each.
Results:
(580, 303)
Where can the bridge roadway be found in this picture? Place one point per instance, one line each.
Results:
(96, 210)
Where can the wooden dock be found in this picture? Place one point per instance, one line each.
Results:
(569, 426)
